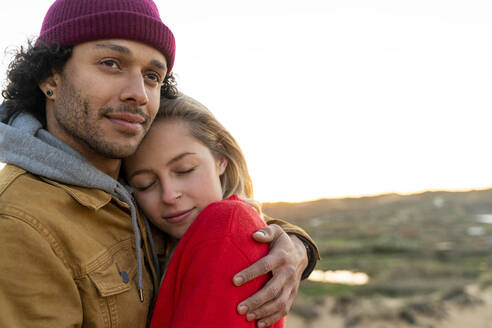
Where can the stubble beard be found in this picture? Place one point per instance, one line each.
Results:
(75, 116)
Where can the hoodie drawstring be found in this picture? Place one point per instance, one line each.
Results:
(152, 248)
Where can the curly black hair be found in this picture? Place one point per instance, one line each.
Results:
(36, 62)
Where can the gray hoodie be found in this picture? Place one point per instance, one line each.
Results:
(24, 143)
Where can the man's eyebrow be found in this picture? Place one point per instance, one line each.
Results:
(127, 51)
(114, 47)
(158, 64)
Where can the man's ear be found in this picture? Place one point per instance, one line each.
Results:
(50, 85)
(222, 165)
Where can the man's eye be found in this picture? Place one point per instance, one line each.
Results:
(154, 77)
(110, 63)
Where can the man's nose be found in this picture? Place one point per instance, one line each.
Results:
(135, 91)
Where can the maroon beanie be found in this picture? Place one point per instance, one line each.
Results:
(70, 22)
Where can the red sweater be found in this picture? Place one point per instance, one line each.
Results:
(197, 290)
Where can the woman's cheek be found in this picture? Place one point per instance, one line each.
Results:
(146, 203)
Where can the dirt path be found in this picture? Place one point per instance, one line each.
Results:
(386, 313)
(479, 316)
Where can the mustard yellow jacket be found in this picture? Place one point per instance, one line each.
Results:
(67, 256)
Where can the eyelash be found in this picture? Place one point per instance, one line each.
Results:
(157, 77)
(141, 189)
(186, 171)
(109, 61)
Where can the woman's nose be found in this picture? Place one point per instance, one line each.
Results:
(170, 195)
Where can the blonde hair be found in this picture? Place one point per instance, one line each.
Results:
(204, 127)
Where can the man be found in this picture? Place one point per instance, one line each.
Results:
(75, 252)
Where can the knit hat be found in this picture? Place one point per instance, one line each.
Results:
(70, 22)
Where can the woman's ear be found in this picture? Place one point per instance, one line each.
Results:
(222, 165)
(49, 85)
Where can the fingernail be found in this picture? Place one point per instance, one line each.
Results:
(243, 309)
(261, 233)
(238, 280)
(250, 316)
(261, 324)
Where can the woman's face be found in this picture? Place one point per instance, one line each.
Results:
(174, 176)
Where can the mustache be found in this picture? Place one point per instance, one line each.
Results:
(125, 108)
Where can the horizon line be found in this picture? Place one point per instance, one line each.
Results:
(399, 193)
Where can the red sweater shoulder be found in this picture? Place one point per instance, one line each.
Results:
(230, 217)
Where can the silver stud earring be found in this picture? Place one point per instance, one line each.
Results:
(49, 93)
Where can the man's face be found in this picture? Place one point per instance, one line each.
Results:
(106, 97)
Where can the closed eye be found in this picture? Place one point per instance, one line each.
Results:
(144, 188)
(186, 171)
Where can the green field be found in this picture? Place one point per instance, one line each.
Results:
(419, 244)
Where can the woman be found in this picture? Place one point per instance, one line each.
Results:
(189, 176)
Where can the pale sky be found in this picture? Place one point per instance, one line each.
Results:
(333, 98)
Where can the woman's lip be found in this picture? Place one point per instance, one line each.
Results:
(177, 216)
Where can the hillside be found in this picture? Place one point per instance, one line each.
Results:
(430, 245)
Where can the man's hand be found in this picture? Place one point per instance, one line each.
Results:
(286, 261)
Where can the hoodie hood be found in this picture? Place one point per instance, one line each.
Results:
(24, 143)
